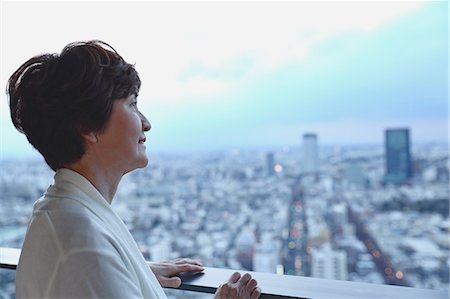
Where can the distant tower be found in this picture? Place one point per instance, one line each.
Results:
(310, 157)
(270, 161)
(398, 156)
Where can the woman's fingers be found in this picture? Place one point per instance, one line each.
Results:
(239, 287)
(244, 279)
(165, 271)
(188, 261)
(188, 268)
(235, 277)
(251, 284)
(172, 282)
(255, 293)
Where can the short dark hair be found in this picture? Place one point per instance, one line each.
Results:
(54, 98)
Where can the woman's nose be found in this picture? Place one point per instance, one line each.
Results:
(146, 126)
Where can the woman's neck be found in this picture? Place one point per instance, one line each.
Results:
(104, 180)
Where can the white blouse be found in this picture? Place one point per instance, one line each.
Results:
(76, 246)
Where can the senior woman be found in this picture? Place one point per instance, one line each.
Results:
(79, 110)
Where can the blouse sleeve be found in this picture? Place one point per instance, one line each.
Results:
(93, 274)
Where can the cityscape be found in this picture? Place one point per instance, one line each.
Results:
(374, 213)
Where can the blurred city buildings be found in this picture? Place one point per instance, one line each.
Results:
(348, 217)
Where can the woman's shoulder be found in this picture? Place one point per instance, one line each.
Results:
(70, 224)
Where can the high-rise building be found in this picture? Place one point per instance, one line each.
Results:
(266, 255)
(244, 245)
(329, 264)
(338, 218)
(310, 156)
(270, 162)
(354, 176)
(398, 156)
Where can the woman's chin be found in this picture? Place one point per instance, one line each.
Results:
(145, 163)
(141, 163)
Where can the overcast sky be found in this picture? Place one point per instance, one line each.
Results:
(244, 74)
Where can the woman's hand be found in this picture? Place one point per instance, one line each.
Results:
(238, 287)
(165, 271)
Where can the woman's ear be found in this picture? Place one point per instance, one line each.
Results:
(90, 137)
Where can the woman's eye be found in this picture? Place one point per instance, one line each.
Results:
(133, 104)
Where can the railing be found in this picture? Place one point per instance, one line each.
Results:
(282, 286)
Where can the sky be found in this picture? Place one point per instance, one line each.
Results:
(220, 75)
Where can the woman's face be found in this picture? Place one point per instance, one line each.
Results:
(121, 145)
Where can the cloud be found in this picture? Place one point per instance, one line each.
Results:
(201, 62)
(272, 34)
(164, 39)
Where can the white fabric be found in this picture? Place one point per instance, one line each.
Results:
(76, 246)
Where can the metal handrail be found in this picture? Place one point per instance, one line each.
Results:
(281, 286)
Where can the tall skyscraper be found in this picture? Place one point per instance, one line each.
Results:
(270, 162)
(310, 156)
(398, 156)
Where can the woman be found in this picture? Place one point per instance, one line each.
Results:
(79, 110)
